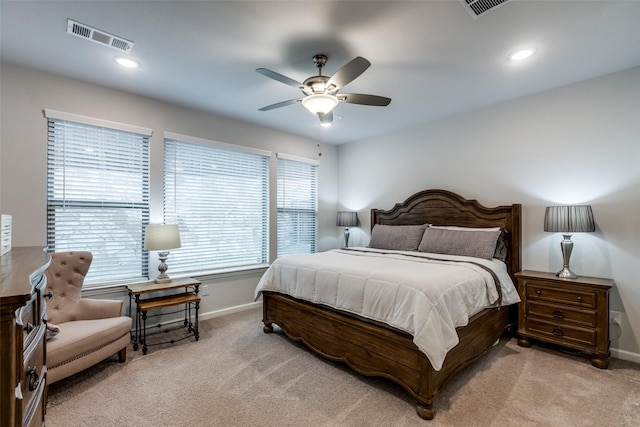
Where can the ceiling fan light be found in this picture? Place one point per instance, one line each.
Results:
(320, 104)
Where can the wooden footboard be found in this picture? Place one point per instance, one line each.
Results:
(374, 349)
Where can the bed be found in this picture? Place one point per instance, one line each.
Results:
(374, 347)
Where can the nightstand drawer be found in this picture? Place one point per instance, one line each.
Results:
(569, 296)
(560, 314)
(563, 333)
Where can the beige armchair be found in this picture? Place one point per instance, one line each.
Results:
(90, 330)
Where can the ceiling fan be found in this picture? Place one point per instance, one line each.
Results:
(321, 92)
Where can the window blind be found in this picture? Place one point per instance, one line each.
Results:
(219, 197)
(297, 206)
(98, 197)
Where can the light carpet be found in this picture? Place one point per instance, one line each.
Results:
(236, 375)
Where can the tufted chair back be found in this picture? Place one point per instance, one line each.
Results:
(65, 277)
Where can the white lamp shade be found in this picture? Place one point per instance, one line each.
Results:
(320, 104)
(161, 237)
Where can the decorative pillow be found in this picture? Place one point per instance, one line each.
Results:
(460, 241)
(396, 237)
(52, 330)
(501, 245)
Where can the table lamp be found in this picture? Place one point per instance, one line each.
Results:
(347, 219)
(161, 238)
(568, 220)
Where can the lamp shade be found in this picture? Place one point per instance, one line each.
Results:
(347, 219)
(569, 219)
(161, 237)
(320, 103)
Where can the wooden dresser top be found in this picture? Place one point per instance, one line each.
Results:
(16, 269)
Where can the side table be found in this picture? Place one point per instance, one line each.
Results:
(573, 313)
(187, 296)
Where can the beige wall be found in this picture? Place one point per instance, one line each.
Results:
(577, 144)
(25, 93)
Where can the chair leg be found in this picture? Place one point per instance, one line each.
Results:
(122, 355)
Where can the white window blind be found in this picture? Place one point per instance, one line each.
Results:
(98, 197)
(219, 197)
(297, 206)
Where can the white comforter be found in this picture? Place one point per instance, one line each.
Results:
(424, 297)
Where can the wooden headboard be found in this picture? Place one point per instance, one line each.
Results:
(441, 207)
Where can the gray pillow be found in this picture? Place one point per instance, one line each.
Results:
(473, 243)
(396, 237)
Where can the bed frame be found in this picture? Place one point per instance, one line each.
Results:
(375, 349)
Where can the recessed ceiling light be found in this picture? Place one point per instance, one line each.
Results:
(126, 62)
(522, 54)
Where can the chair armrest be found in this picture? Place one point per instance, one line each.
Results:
(93, 308)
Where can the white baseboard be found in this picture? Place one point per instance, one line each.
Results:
(625, 355)
(229, 310)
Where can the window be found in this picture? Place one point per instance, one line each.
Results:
(297, 205)
(98, 194)
(218, 194)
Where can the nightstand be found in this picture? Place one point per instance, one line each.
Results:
(573, 313)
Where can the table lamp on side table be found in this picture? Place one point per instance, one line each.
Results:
(161, 238)
(568, 220)
(347, 219)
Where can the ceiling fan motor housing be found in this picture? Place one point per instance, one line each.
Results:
(317, 84)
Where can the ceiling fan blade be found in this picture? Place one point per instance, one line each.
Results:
(348, 72)
(364, 99)
(279, 77)
(326, 119)
(280, 104)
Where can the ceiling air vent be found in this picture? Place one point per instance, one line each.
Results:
(477, 8)
(97, 36)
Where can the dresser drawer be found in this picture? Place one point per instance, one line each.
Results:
(28, 319)
(35, 417)
(34, 372)
(563, 334)
(540, 291)
(562, 313)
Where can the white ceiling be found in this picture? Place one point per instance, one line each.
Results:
(431, 57)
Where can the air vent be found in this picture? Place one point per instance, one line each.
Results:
(477, 8)
(97, 36)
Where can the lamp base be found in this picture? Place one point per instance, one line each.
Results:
(567, 248)
(565, 273)
(163, 277)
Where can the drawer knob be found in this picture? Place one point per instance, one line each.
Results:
(538, 292)
(558, 314)
(579, 299)
(34, 379)
(557, 331)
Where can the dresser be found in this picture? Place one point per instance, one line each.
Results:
(23, 330)
(573, 313)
